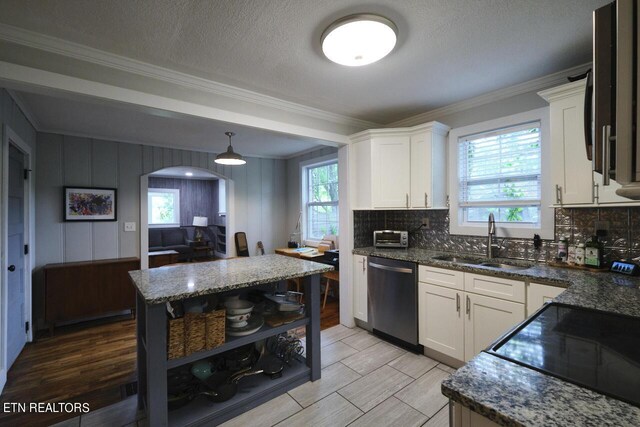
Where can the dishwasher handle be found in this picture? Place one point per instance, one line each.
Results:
(394, 269)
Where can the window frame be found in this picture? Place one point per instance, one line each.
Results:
(176, 206)
(304, 189)
(457, 224)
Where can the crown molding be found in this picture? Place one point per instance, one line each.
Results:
(534, 85)
(433, 126)
(23, 107)
(81, 52)
(565, 91)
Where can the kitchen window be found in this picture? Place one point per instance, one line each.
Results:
(499, 169)
(320, 199)
(163, 207)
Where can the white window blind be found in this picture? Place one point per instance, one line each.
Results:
(499, 172)
(322, 200)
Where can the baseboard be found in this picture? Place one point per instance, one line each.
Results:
(443, 358)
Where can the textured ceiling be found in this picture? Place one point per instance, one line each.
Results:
(448, 50)
(119, 122)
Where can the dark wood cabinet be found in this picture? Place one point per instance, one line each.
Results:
(83, 290)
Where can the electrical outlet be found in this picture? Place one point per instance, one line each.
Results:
(425, 223)
(129, 226)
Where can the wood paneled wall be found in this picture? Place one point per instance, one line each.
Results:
(198, 197)
(260, 197)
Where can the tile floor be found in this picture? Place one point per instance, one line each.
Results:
(365, 381)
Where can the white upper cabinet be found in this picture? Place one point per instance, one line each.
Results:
(574, 182)
(428, 167)
(391, 178)
(570, 168)
(400, 168)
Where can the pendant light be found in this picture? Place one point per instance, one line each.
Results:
(360, 39)
(230, 157)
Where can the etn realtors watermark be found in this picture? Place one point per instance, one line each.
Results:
(45, 407)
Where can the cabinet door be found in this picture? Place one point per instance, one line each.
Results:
(538, 294)
(421, 161)
(391, 174)
(360, 287)
(486, 319)
(571, 170)
(440, 320)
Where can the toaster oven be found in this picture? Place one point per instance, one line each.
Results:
(390, 239)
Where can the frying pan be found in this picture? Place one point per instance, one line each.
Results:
(222, 387)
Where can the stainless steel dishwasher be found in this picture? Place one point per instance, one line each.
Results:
(393, 301)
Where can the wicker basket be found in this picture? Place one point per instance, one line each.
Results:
(175, 338)
(194, 332)
(215, 324)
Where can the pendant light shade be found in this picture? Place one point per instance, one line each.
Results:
(230, 157)
(360, 39)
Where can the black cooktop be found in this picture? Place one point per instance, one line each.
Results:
(593, 349)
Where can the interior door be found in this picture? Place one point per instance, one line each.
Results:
(16, 333)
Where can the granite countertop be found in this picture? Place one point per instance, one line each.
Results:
(158, 285)
(610, 292)
(512, 395)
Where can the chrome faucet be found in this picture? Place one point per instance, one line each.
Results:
(492, 232)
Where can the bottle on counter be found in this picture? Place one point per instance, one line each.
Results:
(562, 249)
(580, 254)
(571, 254)
(593, 253)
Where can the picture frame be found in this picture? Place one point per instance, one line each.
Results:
(90, 204)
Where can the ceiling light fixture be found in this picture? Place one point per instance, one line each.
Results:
(188, 173)
(359, 39)
(229, 157)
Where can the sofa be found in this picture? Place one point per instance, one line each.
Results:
(170, 239)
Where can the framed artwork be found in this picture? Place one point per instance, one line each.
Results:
(90, 204)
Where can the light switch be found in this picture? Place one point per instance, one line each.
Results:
(129, 226)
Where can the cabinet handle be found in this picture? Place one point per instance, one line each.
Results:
(606, 162)
(363, 265)
(458, 302)
(468, 307)
(448, 202)
(558, 194)
(426, 200)
(407, 198)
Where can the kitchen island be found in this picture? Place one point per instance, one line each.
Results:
(156, 287)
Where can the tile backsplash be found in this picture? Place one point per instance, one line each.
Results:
(622, 239)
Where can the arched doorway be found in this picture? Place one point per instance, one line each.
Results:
(220, 222)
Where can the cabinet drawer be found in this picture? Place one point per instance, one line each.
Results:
(441, 277)
(506, 289)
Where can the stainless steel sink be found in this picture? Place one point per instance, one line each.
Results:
(457, 259)
(481, 262)
(503, 266)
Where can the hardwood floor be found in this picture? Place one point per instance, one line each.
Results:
(81, 365)
(85, 364)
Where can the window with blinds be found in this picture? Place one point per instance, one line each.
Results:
(499, 172)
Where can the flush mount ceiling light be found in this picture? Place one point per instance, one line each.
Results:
(359, 39)
(229, 157)
(188, 173)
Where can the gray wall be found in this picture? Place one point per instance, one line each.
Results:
(505, 107)
(198, 197)
(68, 160)
(293, 184)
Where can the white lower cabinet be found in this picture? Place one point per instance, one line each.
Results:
(360, 287)
(459, 323)
(538, 294)
(465, 417)
(441, 320)
(486, 319)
